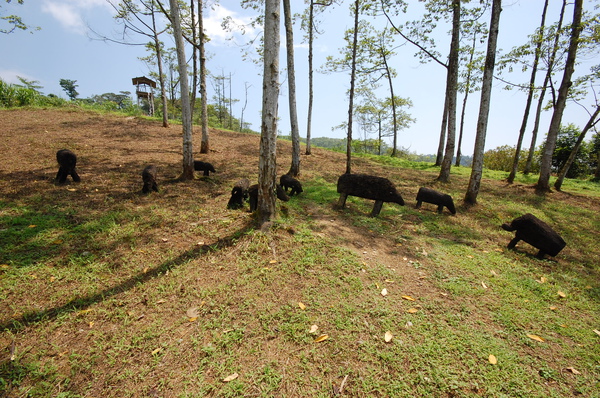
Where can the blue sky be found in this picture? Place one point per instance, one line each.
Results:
(62, 49)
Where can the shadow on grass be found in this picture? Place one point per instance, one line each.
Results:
(82, 303)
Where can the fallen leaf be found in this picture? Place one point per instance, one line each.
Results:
(484, 285)
(469, 256)
(543, 279)
(231, 377)
(408, 298)
(32, 226)
(493, 273)
(412, 311)
(322, 337)
(388, 336)
(573, 370)
(301, 305)
(561, 294)
(273, 262)
(597, 332)
(52, 279)
(156, 351)
(389, 281)
(165, 239)
(535, 337)
(493, 360)
(161, 301)
(193, 319)
(553, 308)
(384, 292)
(313, 329)
(71, 189)
(91, 324)
(192, 312)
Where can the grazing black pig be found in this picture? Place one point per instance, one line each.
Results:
(428, 195)
(149, 179)
(239, 194)
(287, 181)
(203, 166)
(67, 161)
(535, 232)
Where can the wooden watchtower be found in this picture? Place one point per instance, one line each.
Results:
(143, 90)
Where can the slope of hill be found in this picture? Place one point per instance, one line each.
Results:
(107, 292)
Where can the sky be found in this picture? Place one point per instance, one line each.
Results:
(64, 49)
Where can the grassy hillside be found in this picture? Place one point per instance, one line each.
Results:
(107, 292)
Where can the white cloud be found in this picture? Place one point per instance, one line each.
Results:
(215, 31)
(69, 13)
(10, 76)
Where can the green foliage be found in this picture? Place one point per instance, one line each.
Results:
(14, 22)
(13, 95)
(69, 87)
(501, 158)
(565, 142)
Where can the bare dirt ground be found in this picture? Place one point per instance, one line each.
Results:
(112, 151)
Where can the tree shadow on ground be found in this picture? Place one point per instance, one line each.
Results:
(82, 303)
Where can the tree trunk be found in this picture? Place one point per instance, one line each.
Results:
(515, 166)
(194, 60)
(267, 169)
(550, 66)
(565, 169)
(204, 144)
(394, 117)
(289, 36)
(464, 104)
(186, 117)
(310, 75)
(543, 184)
(451, 92)
(484, 108)
(440, 151)
(161, 75)
(352, 82)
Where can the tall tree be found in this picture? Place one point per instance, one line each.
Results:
(311, 26)
(139, 17)
(484, 108)
(289, 45)
(530, 92)
(547, 80)
(419, 33)
(311, 31)
(356, 11)
(205, 143)
(186, 115)
(267, 167)
(470, 78)
(451, 91)
(543, 184)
